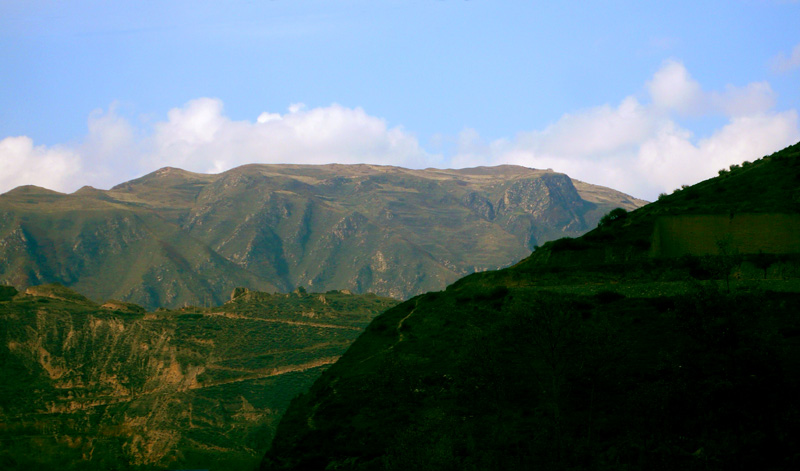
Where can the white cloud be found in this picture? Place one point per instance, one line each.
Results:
(670, 158)
(110, 150)
(754, 98)
(267, 117)
(639, 146)
(672, 88)
(642, 149)
(201, 138)
(22, 163)
(602, 130)
(784, 63)
(296, 107)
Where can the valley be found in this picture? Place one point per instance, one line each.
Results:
(111, 386)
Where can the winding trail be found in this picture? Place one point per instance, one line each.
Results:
(270, 372)
(283, 321)
(400, 335)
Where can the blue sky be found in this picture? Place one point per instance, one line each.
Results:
(639, 96)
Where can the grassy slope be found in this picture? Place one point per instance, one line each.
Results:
(587, 355)
(768, 185)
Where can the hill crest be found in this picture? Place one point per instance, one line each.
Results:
(592, 353)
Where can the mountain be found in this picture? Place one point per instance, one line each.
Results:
(645, 344)
(102, 387)
(174, 237)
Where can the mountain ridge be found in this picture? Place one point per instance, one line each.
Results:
(593, 353)
(173, 237)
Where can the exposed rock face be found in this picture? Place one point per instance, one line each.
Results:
(173, 237)
(121, 306)
(238, 292)
(109, 387)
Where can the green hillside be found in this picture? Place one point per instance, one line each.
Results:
(110, 386)
(593, 353)
(174, 237)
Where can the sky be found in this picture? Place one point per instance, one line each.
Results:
(639, 96)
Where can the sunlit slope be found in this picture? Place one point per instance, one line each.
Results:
(110, 249)
(110, 386)
(175, 237)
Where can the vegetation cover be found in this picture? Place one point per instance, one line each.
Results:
(592, 353)
(88, 387)
(174, 237)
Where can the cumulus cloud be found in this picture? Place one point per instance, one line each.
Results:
(672, 88)
(602, 130)
(751, 99)
(22, 163)
(641, 148)
(200, 137)
(671, 158)
(783, 63)
(641, 145)
(110, 150)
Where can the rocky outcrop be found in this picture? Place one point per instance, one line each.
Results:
(122, 307)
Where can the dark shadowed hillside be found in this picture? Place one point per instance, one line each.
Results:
(594, 353)
(174, 237)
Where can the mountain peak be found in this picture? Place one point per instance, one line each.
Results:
(31, 190)
(166, 175)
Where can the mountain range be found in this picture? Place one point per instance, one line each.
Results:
(173, 237)
(665, 337)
